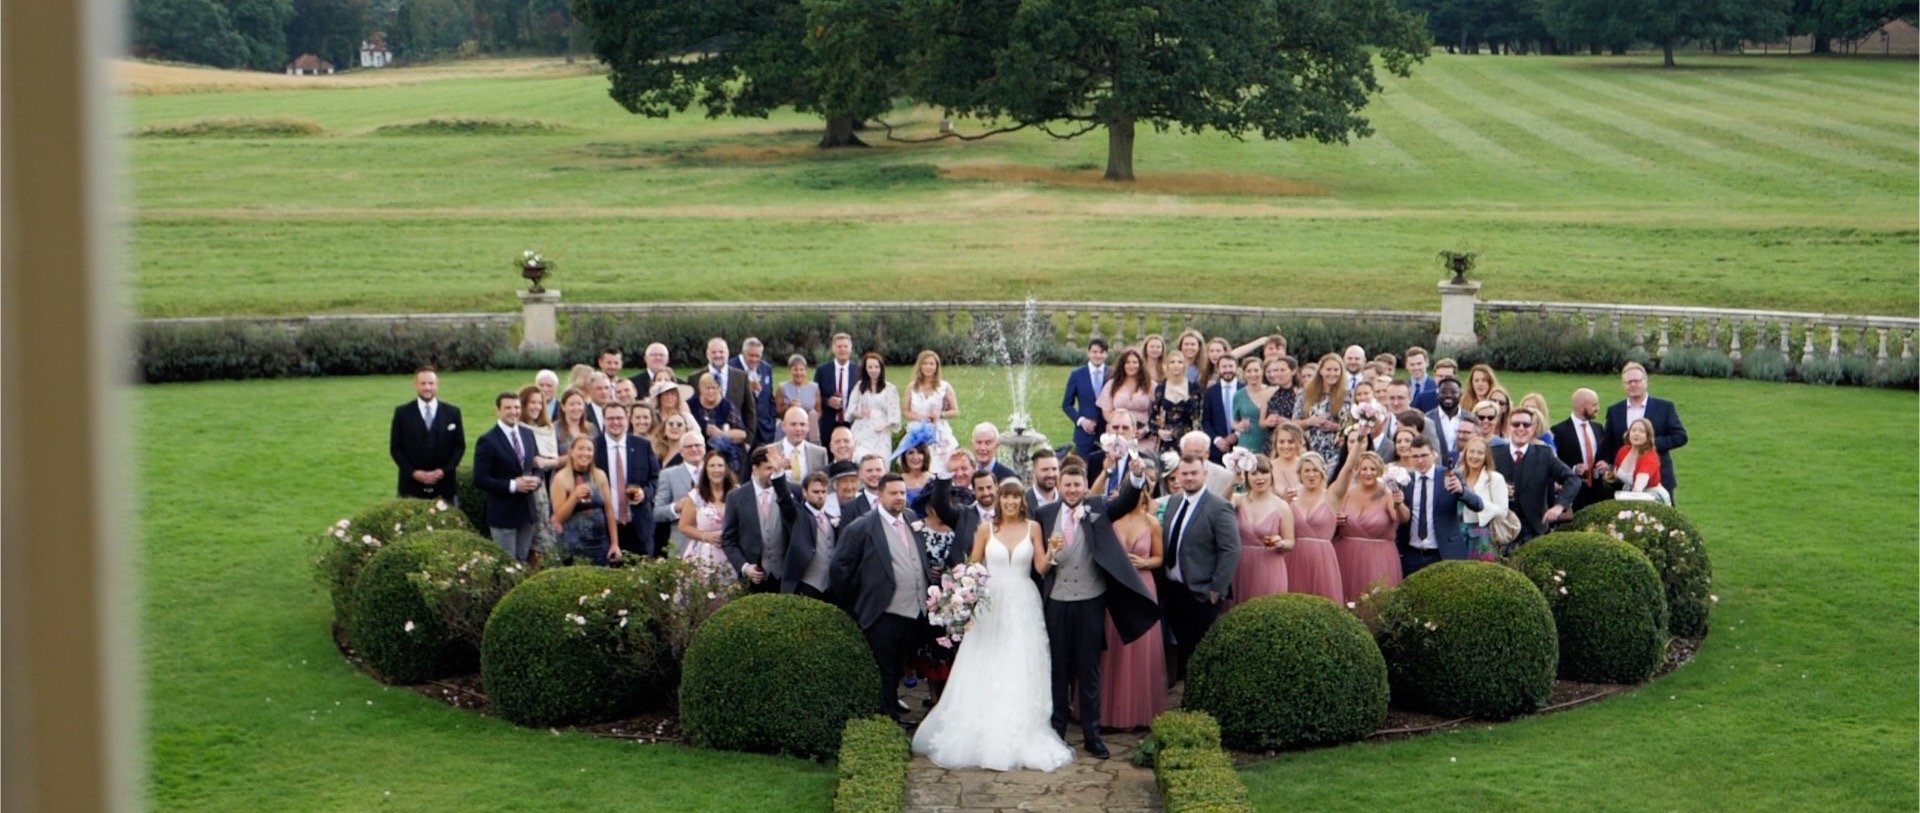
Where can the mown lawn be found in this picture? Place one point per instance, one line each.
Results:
(1802, 698)
(1750, 182)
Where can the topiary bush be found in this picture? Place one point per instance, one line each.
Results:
(1302, 648)
(1674, 546)
(347, 546)
(400, 631)
(1465, 638)
(778, 674)
(581, 645)
(1607, 601)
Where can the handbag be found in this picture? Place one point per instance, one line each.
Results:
(1505, 528)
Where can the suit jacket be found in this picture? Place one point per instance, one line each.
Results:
(858, 507)
(742, 398)
(765, 429)
(1033, 500)
(1001, 471)
(814, 458)
(1080, 402)
(1384, 446)
(741, 534)
(414, 446)
(1668, 433)
(642, 470)
(1448, 451)
(1214, 419)
(1566, 444)
(1447, 531)
(494, 468)
(675, 482)
(1132, 609)
(824, 376)
(1209, 548)
(1538, 481)
(862, 569)
(1425, 392)
(803, 538)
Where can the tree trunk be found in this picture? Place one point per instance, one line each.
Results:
(1822, 44)
(1120, 149)
(840, 133)
(1593, 49)
(1666, 51)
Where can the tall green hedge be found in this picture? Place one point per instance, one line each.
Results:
(1607, 602)
(1288, 670)
(1674, 546)
(1465, 638)
(778, 674)
(394, 628)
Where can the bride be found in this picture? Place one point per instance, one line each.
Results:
(998, 698)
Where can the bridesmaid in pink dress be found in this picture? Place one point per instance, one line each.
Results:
(1266, 534)
(1129, 389)
(1133, 677)
(1370, 513)
(1312, 566)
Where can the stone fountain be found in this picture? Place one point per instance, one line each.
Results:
(1019, 440)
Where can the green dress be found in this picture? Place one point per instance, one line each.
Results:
(1254, 439)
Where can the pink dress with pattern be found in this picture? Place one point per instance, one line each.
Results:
(1262, 570)
(708, 517)
(1133, 677)
(1368, 557)
(1312, 566)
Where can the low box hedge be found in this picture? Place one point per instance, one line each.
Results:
(874, 753)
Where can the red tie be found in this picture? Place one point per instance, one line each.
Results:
(1519, 453)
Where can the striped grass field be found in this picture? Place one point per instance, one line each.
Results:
(1767, 182)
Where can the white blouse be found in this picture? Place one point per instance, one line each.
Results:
(1492, 490)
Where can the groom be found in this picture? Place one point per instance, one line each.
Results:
(1089, 579)
(882, 566)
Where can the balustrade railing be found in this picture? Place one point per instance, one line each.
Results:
(1656, 329)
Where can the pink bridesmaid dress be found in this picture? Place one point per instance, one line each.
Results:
(1368, 557)
(1262, 570)
(1312, 566)
(1133, 677)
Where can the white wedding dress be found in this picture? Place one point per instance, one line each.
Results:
(994, 712)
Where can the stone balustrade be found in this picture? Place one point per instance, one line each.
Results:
(1655, 329)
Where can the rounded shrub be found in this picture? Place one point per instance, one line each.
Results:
(1607, 602)
(1466, 638)
(346, 547)
(1288, 670)
(776, 673)
(574, 645)
(394, 627)
(1674, 546)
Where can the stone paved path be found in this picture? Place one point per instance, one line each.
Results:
(1086, 785)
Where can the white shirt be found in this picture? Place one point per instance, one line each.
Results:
(426, 411)
(1634, 412)
(1191, 506)
(796, 454)
(1450, 429)
(841, 378)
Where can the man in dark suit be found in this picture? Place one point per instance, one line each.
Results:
(427, 441)
(503, 469)
(835, 377)
(1044, 474)
(1668, 433)
(1445, 417)
(760, 386)
(610, 361)
(734, 384)
(1539, 486)
(632, 471)
(1081, 407)
(986, 449)
(1202, 551)
(803, 458)
(655, 371)
(1423, 389)
(1085, 577)
(1432, 531)
(882, 564)
(873, 468)
(810, 538)
(1582, 444)
(1216, 412)
(754, 535)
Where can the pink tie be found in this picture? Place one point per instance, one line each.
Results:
(900, 533)
(616, 462)
(1072, 525)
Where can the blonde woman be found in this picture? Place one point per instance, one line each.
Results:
(1266, 533)
(1289, 443)
(582, 514)
(1219, 352)
(1312, 566)
(1369, 513)
(1481, 382)
(1480, 476)
(1153, 354)
(670, 399)
(931, 399)
(1192, 347)
(1539, 404)
(1174, 406)
(580, 377)
(1321, 406)
(573, 421)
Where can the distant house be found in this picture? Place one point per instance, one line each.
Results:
(309, 65)
(374, 52)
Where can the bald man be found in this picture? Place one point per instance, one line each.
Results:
(1581, 441)
(802, 458)
(1355, 362)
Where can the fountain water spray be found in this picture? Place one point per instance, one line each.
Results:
(1019, 440)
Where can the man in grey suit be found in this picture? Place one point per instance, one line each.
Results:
(675, 482)
(754, 535)
(1202, 550)
(803, 458)
(1432, 531)
(882, 565)
(1219, 481)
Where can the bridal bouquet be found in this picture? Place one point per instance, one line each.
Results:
(956, 600)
